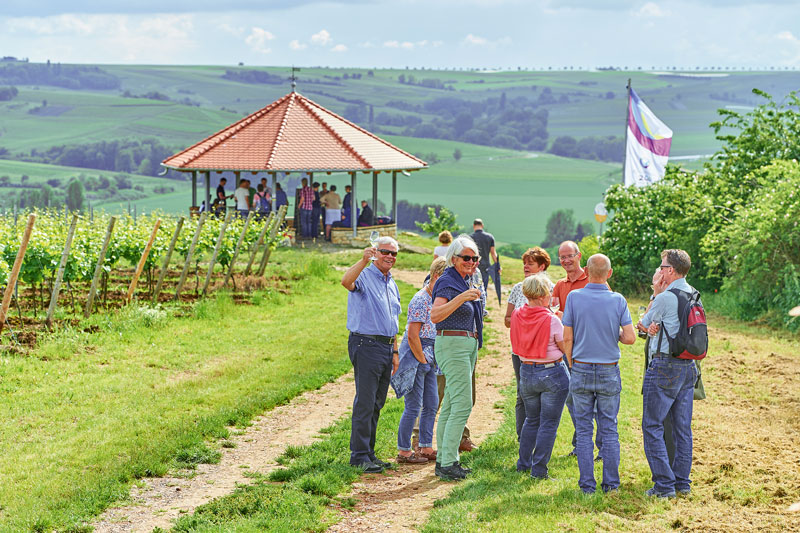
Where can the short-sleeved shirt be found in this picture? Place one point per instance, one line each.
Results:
(485, 242)
(565, 286)
(664, 311)
(419, 310)
(306, 198)
(463, 318)
(595, 315)
(373, 306)
(221, 193)
(440, 251)
(241, 195)
(332, 201)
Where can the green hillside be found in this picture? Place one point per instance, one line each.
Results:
(179, 105)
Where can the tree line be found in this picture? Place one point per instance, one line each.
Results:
(57, 75)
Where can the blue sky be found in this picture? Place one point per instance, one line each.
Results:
(399, 33)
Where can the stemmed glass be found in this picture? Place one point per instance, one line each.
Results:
(373, 241)
(554, 304)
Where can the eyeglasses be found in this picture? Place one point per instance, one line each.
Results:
(388, 252)
(565, 257)
(662, 267)
(469, 258)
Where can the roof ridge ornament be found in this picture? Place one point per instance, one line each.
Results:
(294, 78)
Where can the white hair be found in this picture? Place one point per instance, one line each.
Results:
(387, 240)
(458, 245)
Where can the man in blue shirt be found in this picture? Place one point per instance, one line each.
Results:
(668, 383)
(595, 321)
(373, 311)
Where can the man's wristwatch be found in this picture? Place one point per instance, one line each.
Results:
(652, 297)
(395, 351)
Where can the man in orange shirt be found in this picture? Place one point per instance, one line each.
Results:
(569, 255)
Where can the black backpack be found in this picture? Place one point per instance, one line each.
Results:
(691, 341)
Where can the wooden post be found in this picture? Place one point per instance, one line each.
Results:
(260, 240)
(394, 197)
(238, 246)
(12, 278)
(353, 204)
(99, 268)
(192, 246)
(274, 231)
(165, 267)
(142, 261)
(60, 273)
(374, 197)
(194, 189)
(208, 190)
(216, 251)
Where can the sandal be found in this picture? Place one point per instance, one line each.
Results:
(413, 458)
(428, 456)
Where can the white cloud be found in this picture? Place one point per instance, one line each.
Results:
(474, 39)
(297, 45)
(405, 45)
(322, 38)
(391, 44)
(787, 36)
(651, 10)
(339, 48)
(259, 39)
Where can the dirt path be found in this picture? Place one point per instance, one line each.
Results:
(401, 499)
(162, 500)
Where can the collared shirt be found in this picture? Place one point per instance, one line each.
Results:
(517, 299)
(373, 306)
(307, 198)
(595, 315)
(664, 311)
(485, 242)
(565, 286)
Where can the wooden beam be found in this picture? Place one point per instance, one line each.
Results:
(194, 189)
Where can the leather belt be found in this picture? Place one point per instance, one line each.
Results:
(603, 364)
(662, 355)
(456, 333)
(379, 338)
(543, 365)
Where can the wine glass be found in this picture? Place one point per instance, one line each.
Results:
(642, 311)
(555, 304)
(373, 241)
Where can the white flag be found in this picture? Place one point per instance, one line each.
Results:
(647, 149)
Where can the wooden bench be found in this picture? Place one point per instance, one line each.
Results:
(345, 235)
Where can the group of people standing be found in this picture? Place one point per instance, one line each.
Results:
(565, 351)
(258, 199)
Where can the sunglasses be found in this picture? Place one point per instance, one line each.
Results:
(469, 258)
(388, 252)
(662, 267)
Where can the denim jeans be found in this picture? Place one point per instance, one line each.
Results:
(372, 369)
(544, 391)
(599, 385)
(305, 223)
(423, 397)
(598, 439)
(669, 392)
(519, 407)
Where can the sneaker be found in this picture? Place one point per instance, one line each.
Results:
(382, 464)
(463, 468)
(573, 453)
(466, 445)
(683, 492)
(370, 468)
(451, 473)
(653, 493)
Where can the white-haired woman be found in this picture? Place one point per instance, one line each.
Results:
(458, 314)
(537, 337)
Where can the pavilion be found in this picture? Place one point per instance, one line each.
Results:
(295, 134)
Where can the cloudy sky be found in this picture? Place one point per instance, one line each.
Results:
(399, 33)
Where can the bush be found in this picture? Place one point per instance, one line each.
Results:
(444, 220)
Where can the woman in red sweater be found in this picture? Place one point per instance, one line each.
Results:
(537, 338)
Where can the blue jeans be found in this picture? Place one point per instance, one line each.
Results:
(423, 397)
(544, 391)
(372, 369)
(598, 439)
(599, 385)
(305, 222)
(669, 393)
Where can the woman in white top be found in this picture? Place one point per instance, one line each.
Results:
(445, 238)
(535, 261)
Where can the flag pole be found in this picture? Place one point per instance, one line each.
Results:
(625, 145)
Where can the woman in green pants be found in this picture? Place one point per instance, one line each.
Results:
(458, 315)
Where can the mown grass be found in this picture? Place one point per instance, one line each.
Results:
(88, 413)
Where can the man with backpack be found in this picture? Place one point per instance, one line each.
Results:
(676, 323)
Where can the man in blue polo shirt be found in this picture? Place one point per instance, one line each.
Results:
(595, 321)
(373, 311)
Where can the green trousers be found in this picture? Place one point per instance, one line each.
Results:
(456, 357)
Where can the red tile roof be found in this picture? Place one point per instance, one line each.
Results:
(293, 134)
